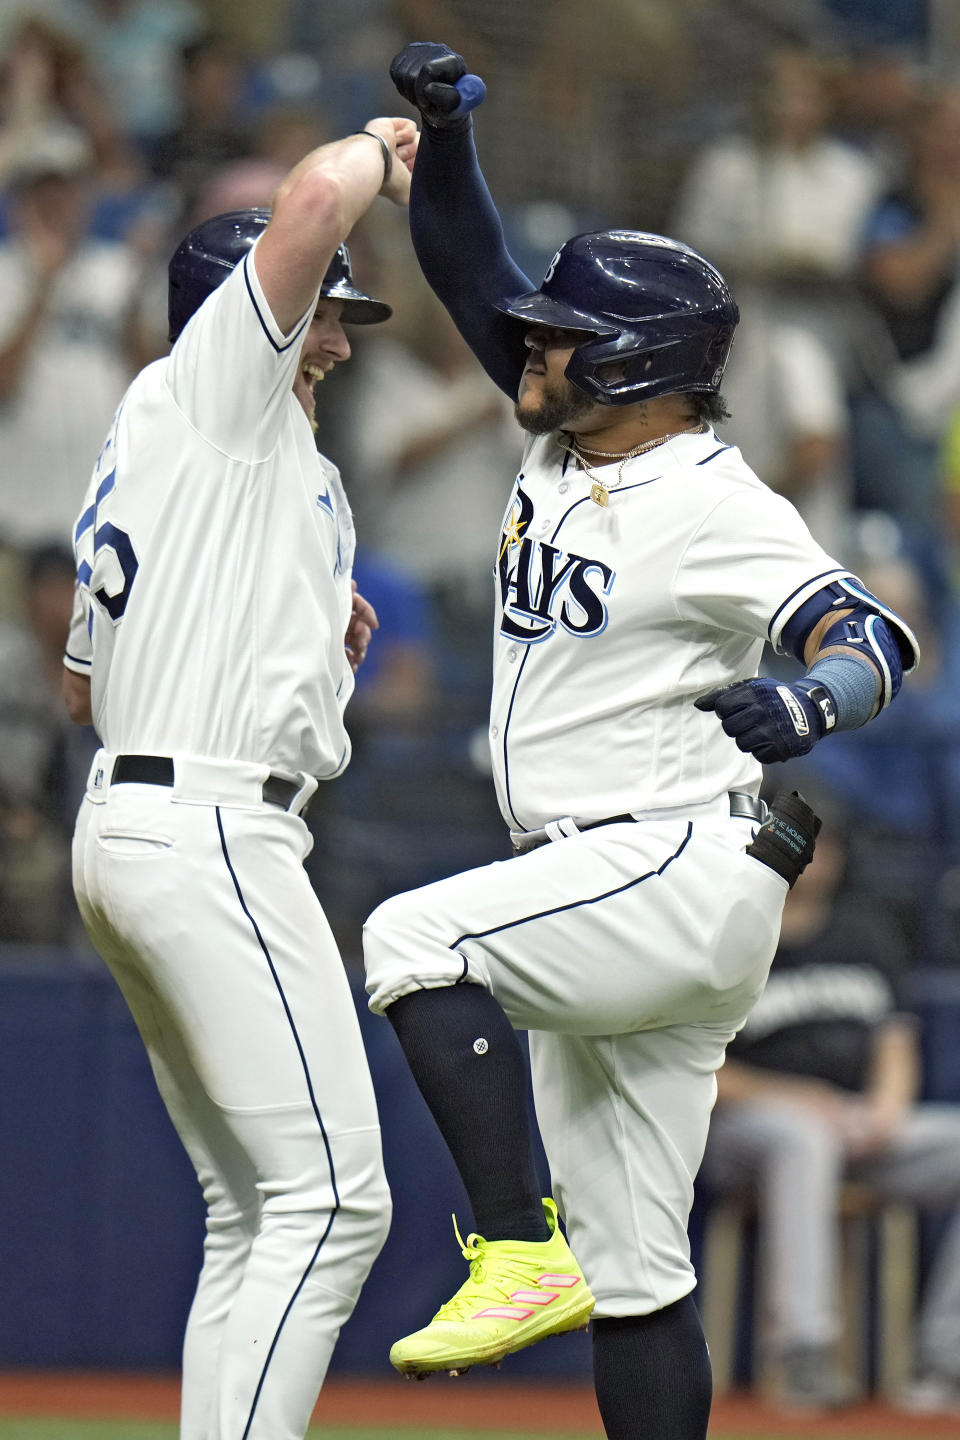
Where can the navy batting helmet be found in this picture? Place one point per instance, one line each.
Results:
(204, 259)
(657, 318)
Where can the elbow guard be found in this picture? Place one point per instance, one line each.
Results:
(871, 629)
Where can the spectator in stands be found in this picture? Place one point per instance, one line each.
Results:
(874, 93)
(821, 1086)
(435, 417)
(276, 139)
(281, 132)
(350, 39)
(212, 130)
(779, 210)
(782, 206)
(64, 303)
(33, 68)
(399, 689)
(47, 90)
(44, 759)
(910, 271)
(788, 414)
(49, 94)
(136, 46)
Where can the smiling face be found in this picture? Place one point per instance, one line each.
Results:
(326, 343)
(546, 400)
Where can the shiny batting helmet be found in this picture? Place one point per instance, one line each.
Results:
(657, 318)
(205, 257)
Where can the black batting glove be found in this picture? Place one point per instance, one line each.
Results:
(770, 720)
(426, 74)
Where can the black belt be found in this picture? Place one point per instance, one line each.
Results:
(742, 806)
(158, 770)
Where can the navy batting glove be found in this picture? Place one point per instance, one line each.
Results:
(426, 76)
(770, 720)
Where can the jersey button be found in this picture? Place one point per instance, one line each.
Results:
(564, 486)
(511, 656)
(494, 732)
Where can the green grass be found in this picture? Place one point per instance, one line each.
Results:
(33, 1428)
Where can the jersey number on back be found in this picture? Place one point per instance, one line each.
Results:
(113, 557)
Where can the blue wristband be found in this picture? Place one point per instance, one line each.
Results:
(852, 682)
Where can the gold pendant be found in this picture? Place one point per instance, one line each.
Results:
(598, 494)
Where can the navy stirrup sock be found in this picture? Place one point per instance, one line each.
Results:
(469, 1066)
(652, 1374)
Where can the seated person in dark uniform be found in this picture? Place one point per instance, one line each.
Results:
(819, 1087)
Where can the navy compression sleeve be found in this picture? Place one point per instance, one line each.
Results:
(459, 242)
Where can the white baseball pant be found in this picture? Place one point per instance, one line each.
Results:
(202, 910)
(632, 953)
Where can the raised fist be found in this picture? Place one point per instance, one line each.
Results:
(426, 74)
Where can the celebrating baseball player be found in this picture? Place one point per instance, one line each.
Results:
(640, 568)
(215, 638)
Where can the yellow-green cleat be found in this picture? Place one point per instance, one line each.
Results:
(519, 1292)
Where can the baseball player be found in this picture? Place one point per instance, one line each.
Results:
(215, 638)
(640, 568)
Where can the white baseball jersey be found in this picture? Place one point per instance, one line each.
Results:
(214, 551)
(612, 620)
(630, 952)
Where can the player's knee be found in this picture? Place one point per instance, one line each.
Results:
(393, 925)
(363, 1219)
(396, 951)
(371, 1216)
(351, 1202)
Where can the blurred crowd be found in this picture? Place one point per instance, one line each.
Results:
(810, 149)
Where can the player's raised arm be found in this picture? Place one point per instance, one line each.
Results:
(318, 204)
(454, 224)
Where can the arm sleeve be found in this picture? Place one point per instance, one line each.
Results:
(232, 370)
(751, 562)
(459, 242)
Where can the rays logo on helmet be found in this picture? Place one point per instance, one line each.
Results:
(551, 267)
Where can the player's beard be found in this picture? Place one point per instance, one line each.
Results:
(561, 405)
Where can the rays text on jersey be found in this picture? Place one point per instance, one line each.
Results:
(542, 586)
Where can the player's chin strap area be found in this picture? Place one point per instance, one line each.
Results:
(742, 805)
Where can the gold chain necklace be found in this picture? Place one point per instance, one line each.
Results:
(600, 490)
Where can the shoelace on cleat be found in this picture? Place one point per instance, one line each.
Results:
(482, 1287)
